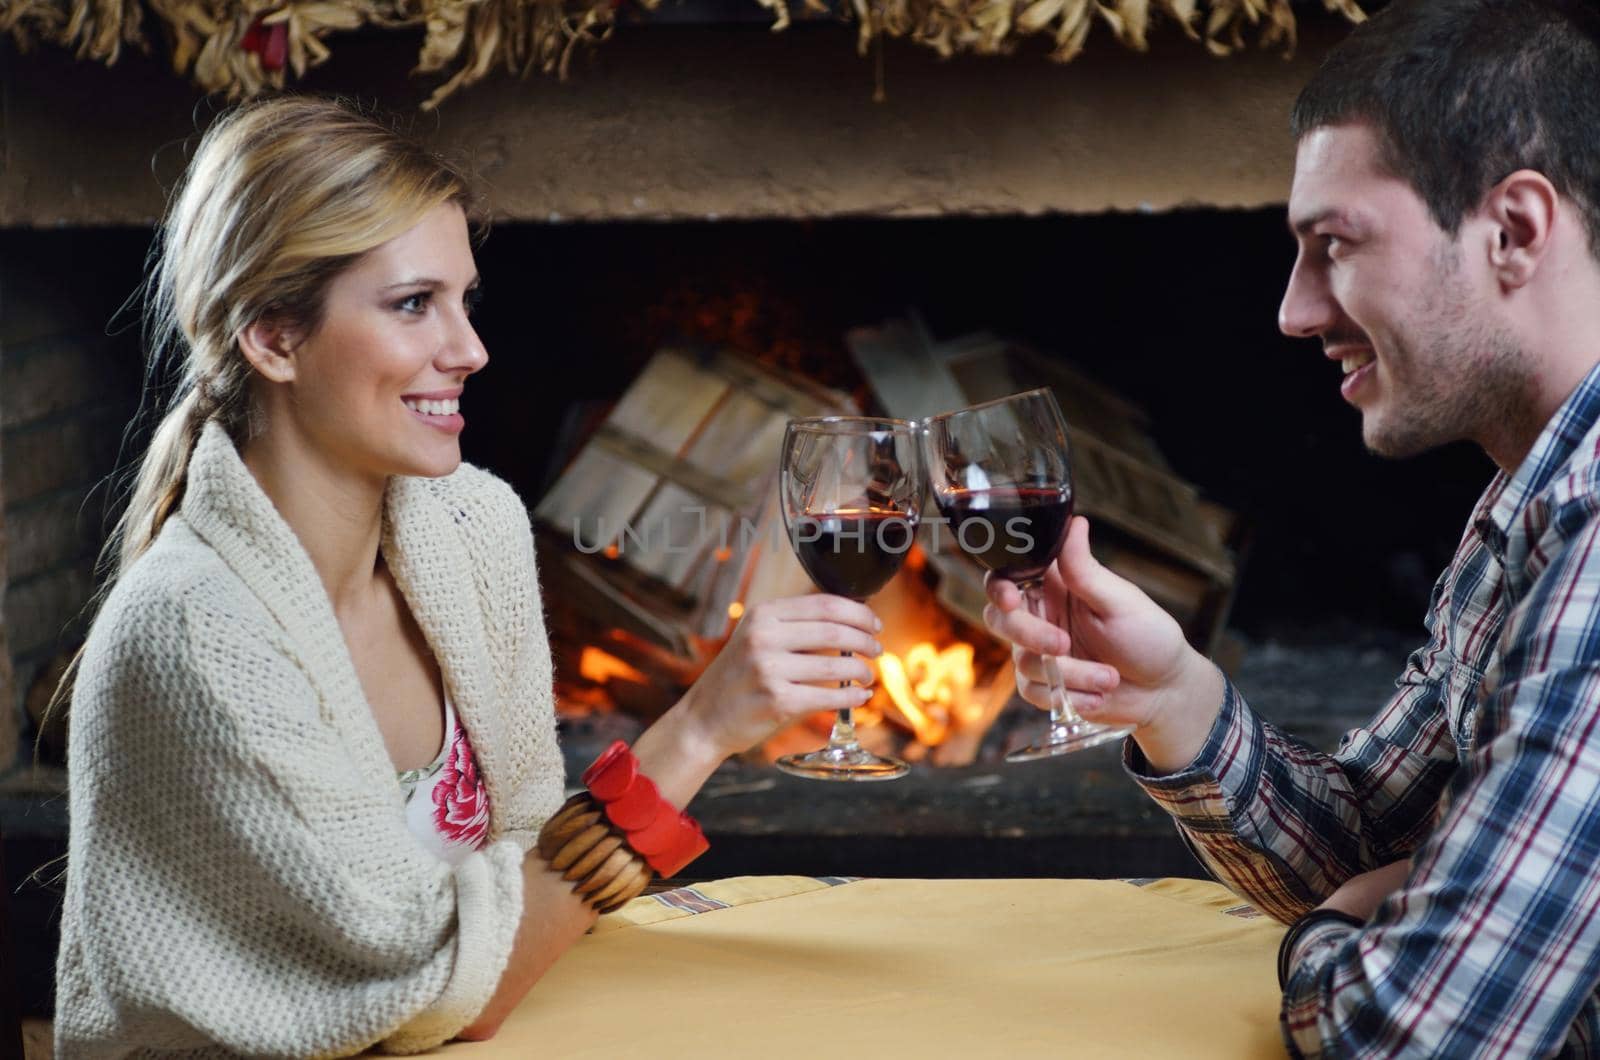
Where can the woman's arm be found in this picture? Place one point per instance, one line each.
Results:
(768, 675)
(553, 918)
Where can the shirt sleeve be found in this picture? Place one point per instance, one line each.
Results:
(232, 885)
(1491, 947)
(1284, 824)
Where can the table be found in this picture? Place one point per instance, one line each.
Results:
(776, 967)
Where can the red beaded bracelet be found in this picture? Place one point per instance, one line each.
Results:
(663, 835)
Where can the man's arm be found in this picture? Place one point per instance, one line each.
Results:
(1279, 822)
(1491, 946)
(1286, 825)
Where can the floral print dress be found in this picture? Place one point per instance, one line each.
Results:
(447, 806)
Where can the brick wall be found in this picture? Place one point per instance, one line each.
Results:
(69, 383)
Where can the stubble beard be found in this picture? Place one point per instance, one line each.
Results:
(1466, 379)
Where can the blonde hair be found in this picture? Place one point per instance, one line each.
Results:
(280, 197)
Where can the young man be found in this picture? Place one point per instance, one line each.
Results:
(1443, 868)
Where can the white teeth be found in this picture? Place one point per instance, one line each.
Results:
(434, 408)
(1355, 362)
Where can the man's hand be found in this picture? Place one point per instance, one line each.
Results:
(1129, 662)
(1362, 894)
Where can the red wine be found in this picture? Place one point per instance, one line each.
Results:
(1016, 533)
(853, 553)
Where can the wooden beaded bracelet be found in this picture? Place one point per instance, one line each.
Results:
(593, 854)
(606, 841)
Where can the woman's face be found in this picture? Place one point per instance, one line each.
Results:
(377, 386)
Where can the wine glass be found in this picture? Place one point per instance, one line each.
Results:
(1000, 477)
(852, 494)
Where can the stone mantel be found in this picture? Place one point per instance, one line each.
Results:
(668, 123)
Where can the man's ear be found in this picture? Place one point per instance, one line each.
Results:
(1522, 211)
(269, 344)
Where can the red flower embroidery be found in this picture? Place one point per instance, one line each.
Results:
(460, 803)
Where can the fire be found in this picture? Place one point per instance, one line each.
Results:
(600, 666)
(931, 689)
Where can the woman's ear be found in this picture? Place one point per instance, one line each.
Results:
(1522, 209)
(269, 345)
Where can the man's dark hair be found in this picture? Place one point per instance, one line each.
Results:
(1465, 92)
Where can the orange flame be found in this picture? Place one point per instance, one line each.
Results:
(600, 666)
(931, 688)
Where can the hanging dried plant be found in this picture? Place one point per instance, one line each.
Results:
(94, 29)
(519, 35)
(243, 47)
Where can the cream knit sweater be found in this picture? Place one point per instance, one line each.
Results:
(240, 875)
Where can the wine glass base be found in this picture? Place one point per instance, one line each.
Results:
(843, 763)
(1065, 739)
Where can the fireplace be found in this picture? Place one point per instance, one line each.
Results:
(661, 525)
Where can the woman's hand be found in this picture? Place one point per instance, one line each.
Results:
(781, 664)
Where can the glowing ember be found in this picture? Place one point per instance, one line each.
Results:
(931, 689)
(600, 666)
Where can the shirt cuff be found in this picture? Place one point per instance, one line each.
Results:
(1300, 1018)
(1316, 942)
(1290, 950)
(1226, 771)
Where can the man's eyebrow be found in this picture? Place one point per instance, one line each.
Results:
(430, 283)
(1304, 225)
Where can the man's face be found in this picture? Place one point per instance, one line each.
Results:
(1402, 306)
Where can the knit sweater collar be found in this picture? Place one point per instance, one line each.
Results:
(227, 508)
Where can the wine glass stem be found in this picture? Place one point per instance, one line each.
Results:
(1061, 712)
(843, 737)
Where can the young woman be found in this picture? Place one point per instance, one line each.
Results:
(313, 738)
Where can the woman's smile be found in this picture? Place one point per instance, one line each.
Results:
(440, 410)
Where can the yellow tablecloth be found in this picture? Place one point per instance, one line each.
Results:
(968, 968)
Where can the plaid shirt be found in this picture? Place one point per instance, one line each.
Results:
(1484, 769)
